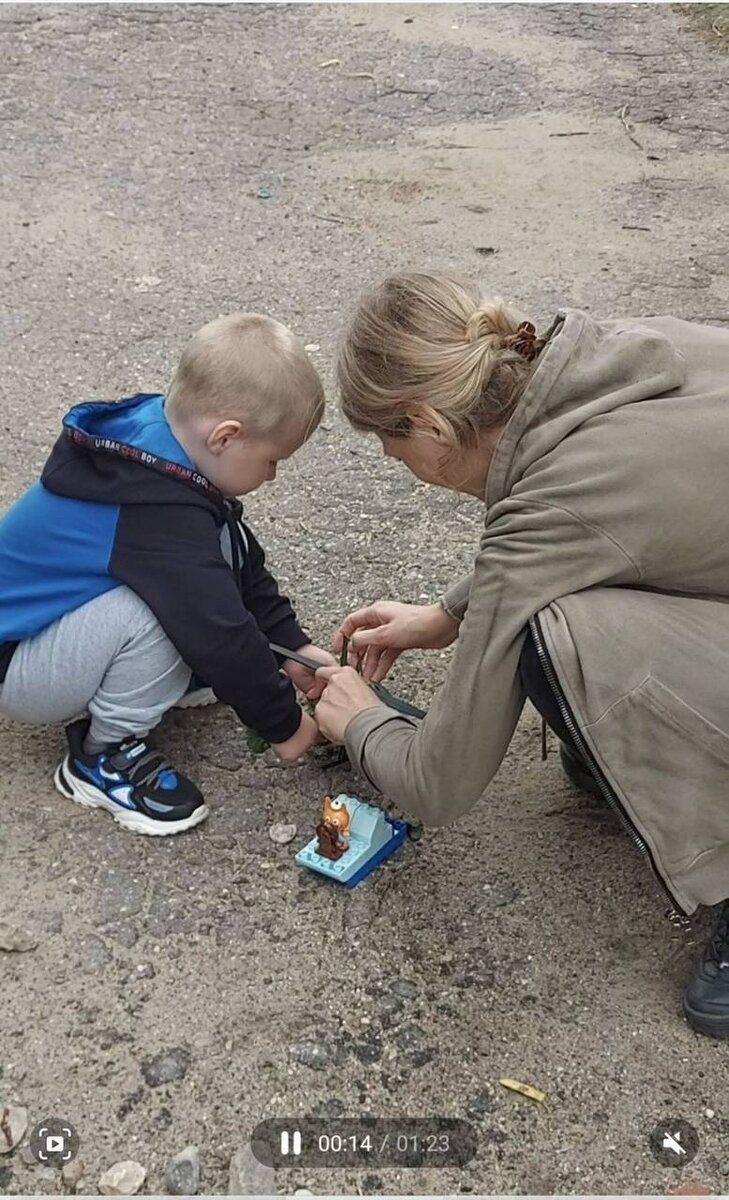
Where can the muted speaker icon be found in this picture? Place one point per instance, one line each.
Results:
(290, 1142)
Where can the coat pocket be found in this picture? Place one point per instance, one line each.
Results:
(671, 766)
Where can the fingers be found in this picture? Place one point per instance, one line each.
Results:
(386, 660)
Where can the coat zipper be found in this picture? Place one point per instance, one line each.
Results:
(676, 914)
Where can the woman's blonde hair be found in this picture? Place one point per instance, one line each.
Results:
(248, 367)
(431, 344)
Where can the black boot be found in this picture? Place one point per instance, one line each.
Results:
(577, 770)
(706, 998)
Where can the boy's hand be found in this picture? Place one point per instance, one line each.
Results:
(296, 747)
(304, 679)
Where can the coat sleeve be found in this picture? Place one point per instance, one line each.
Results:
(273, 611)
(170, 556)
(455, 600)
(439, 768)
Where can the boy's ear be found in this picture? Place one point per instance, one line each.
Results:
(223, 433)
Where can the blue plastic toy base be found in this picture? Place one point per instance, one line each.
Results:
(372, 838)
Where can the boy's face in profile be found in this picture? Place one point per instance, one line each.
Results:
(238, 461)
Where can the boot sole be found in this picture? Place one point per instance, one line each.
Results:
(713, 1027)
(89, 796)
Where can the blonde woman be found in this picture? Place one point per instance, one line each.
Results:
(601, 586)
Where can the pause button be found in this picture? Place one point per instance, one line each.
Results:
(290, 1143)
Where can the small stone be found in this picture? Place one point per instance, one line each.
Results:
(709, 1113)
(264, 193)
(329, 1109)
(311, 1053)
(13, 938)
(95, 955)
(13, 1124)
(248, 1176)
(282, 834)
(414, 1046)
(368, 1051)
(404, 988)
(166, 1067)
(145, 971)
(123, 1179)
(72, 1173)
(182, 1177)
(479, 1105)
(145, 283)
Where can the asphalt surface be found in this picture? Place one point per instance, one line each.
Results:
(161, 165)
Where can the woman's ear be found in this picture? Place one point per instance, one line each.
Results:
(222, 435)
(426, 422)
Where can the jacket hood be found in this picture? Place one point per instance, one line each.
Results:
(125, 452)
(587, 368)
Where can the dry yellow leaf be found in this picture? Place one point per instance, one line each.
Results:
(524, 1089)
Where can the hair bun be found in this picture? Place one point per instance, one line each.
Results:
(525, 341)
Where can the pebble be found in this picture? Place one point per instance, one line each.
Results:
(479, 1105)
(311, 1053)
(404, 988)
(145, 971)
(13, 1124)
(72, 1173)
(94, 954)
(123, 1179)
(12, 937)
(414, 1046)
(182, 1177)
(282, 834)
(166, 1067)
(329, 1109)
(249, 1177)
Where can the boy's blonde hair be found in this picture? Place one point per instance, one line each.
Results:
(432, 344)
(250, 368)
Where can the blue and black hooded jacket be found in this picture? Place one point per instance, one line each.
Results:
(120, 502)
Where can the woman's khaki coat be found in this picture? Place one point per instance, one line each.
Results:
(607, 519)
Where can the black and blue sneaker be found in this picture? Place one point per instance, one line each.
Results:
(131, 781)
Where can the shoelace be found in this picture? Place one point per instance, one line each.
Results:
(147, 768)
(719, 944)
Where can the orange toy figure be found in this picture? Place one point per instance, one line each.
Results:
(335, 821)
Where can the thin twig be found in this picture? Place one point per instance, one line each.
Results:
(572, 133)
(716, 30)
(624, 118)
(324, 217)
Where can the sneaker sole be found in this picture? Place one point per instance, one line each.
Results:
(88, 796)
(202, 698)
(713, 1027)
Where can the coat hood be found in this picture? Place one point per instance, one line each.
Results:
(588, 368)
(125, 452)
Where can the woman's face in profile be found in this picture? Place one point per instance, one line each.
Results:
(424, 455)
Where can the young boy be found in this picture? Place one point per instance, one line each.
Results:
(126, 568)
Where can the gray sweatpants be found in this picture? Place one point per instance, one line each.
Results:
(110, 657)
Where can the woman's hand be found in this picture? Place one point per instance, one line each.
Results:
(304, 679)
(345, 694)
(378, 634)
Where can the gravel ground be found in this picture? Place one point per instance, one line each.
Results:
(161, 165)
